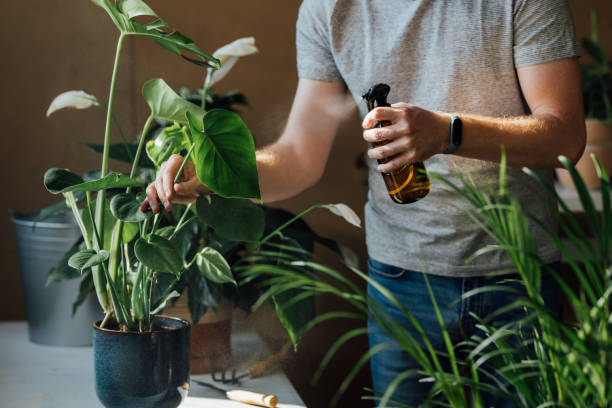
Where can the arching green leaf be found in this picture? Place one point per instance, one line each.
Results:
(167, 104)
(126, 207)
(225, 154)
(158, 31)
(159, 254)
(87, 258)
(63, 181)
(214, 267)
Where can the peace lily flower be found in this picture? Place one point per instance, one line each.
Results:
(229, 55)
(73, 100)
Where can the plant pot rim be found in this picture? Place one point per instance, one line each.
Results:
(185, 323)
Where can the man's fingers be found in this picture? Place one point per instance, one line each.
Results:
(380, 134)
(379, 114)
(152, 199)
(392, 148)
(396, 163)
(191, 187)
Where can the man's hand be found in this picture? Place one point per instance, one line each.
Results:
(415, 134)
(164, 190)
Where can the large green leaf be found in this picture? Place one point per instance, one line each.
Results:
(56, 180)
(225, 154)
(129, 231)
(63, 181)
(214, 267)
(183, 238)
(158, 30)
(171, 140)
(126, 207)
(167, 104)
(159, 254)
(232, 218)
(87, 258)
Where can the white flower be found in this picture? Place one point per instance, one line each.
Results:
(74, 100)
(345, 212)
(228, 55)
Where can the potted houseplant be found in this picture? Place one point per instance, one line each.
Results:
(597, 95)
(142, 358)
(137, 259)
(539, 360)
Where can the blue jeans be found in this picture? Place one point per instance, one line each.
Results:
(410, 289)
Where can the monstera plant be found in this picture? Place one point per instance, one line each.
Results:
(137, 260)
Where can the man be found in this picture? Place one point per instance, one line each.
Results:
(506, 68)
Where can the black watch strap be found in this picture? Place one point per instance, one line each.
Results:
(455, 134)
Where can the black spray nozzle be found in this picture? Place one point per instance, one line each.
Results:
(377, 96)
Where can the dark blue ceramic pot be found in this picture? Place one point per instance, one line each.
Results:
(143, 370)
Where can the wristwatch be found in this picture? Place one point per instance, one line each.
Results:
(456, 128)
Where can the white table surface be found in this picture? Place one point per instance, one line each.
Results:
(36, 376)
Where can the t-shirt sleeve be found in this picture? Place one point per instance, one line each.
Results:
(543, 31)
(314, 55)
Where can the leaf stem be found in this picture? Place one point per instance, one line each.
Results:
(180, 222)
(180, 172)
(98, 276)
(143, 135)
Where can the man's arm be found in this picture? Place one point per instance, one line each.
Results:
(293, 163)
(555, 127)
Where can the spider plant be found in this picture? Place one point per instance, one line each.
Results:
(537, 361)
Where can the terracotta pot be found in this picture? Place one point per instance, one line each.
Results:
(599, 143)
(210, 338)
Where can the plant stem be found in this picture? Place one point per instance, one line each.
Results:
(106, 317)
(145, 130)
(78, 218)
(180, 172)
(205, 86)
(180, 222)
(98, 277)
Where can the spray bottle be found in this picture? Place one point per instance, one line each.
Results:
(410, 182)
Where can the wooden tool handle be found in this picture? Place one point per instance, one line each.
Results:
(264, 366)
(253, 398)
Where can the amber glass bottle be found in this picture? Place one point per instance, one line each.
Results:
(408, 183)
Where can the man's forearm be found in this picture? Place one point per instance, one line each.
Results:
(282, 173)
(533, 141)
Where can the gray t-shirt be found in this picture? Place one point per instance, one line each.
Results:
(445, 55)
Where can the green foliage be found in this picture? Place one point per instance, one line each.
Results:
(224, 154)
(167, 104)
(232, 219)
(86, 258)
(140, 262)
(158, 30)
(159, 254)
(213, 266)
(126, 207)
(537, 361)
(596, 77)
(64, 181)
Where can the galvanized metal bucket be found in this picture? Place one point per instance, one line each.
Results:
(49, 308)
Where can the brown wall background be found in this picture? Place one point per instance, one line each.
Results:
(51, 47)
